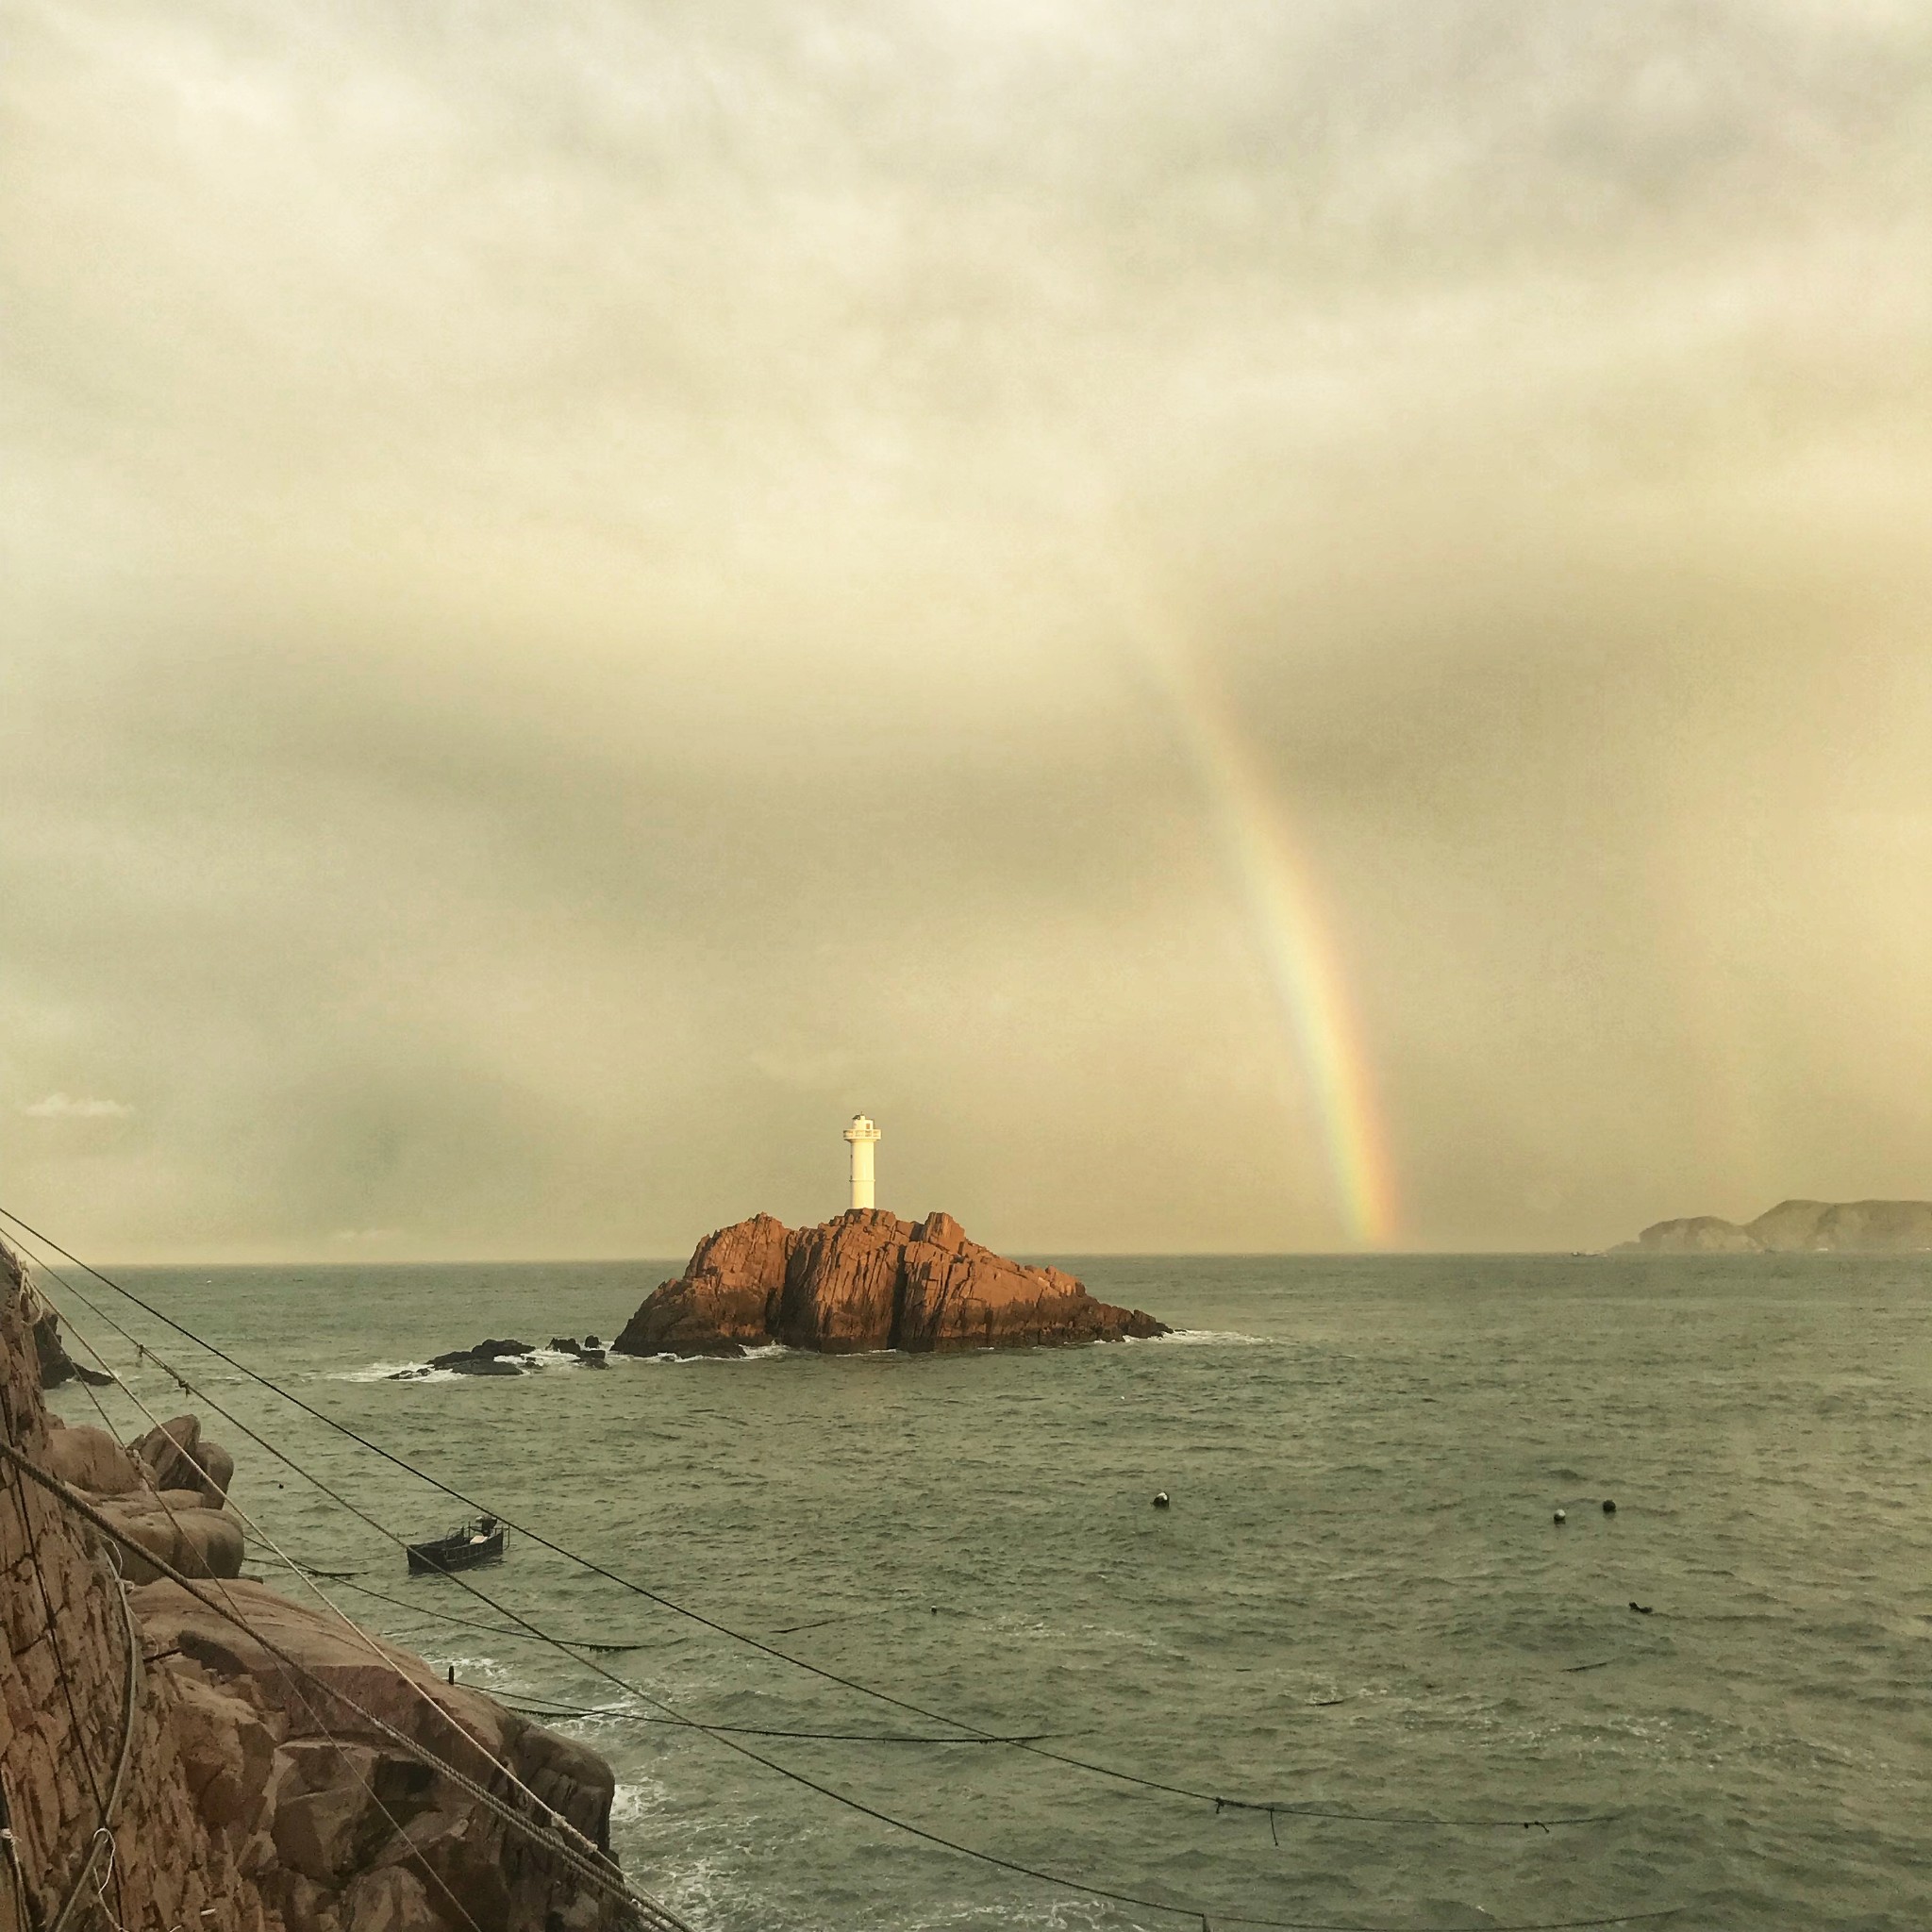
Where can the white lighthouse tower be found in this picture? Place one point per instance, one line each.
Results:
(863, 1137)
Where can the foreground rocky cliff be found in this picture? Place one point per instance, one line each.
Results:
(235, 1795)
(1797, 1227)
(864, 1281)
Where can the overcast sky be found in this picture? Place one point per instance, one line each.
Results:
(580, 582)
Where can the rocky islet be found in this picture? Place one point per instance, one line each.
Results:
(507, 1358)
(867, 1280)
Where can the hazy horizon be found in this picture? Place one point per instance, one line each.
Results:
(1274, 632)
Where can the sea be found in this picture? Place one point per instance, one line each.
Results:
(1354, 1674)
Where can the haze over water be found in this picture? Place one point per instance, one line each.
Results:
(1357, 1601)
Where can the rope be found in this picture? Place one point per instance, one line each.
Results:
(603, 1878)
(315, 1716)
(845, 1799)
(528, 1630)
(354, 1629)
(105, 1828)
(472, 1623)
(25, 1918)
(544, 1707)
(375, 1649)
(1283, 1806)
(104, 1806)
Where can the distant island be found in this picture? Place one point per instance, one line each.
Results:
(1797, 1227)
(866, 1280)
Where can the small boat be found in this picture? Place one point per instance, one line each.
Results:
(480, 1542)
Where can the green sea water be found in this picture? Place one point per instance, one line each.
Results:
(1358, 1602)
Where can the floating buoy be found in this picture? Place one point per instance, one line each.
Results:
(1160, 1499)
(1609, 1508)
(1561, 1516)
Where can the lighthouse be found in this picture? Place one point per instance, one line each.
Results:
(863, 1135)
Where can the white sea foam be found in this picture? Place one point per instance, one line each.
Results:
(1206, 1338)
(768, 1352)
(421, 1372)
(631, 1803)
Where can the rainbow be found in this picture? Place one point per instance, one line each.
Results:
(1296, 944)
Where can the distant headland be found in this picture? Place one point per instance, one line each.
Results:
(1796, 1227)
(866, 1280)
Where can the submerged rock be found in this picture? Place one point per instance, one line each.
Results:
(505, 1357)
(866, 1280)
(483, 1351)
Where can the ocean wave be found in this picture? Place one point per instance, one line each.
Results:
(635, 1800)
(421, 1372)
(1206, 1338)
(768, 1352)
(383, 1371)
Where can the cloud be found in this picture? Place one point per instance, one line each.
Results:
(568, 571)
(62, 1106)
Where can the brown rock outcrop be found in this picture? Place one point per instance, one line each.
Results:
(358, 1826)
(90, 1459)
(866, 1280)
(165, 1492)
(56, 1365)
(255, 1800)
(178, 1456)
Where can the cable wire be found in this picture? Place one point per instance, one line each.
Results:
(356, 1630)
(130, 1705)
(843, 1798)
(315, 1717)
(606, 1877)
(1220, 1801)
(470, 1623)
(102, 1803)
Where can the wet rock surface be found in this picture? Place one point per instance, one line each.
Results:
(866, 1280)
(505, 1358)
